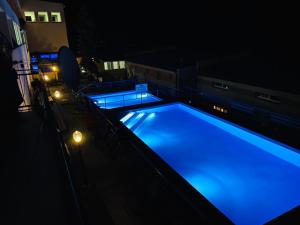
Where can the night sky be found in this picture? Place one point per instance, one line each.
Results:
(203, 24)
(269, 31)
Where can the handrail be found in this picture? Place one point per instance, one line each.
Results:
(43, 101)
(106, 102)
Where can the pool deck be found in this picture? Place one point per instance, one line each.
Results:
(114, 188)
(117, 184)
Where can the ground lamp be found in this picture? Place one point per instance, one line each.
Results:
(57, 95)
(78, 138)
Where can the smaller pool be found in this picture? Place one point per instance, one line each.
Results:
(122, 99)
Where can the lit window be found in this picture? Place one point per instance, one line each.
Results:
(122, 64)
(35, 67)
(43, 17)
(29, 16)
(105, 66)
(17, 33)
(33, 59)
(44, 56)
(54, 56)
(116, 65)
(108, 65)
(55, 17)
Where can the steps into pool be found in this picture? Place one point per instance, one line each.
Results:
(133, 120)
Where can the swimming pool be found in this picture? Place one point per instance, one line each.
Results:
(251, 179)
(122, 99)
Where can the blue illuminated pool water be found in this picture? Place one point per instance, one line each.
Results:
(122, 99)
(249, 178)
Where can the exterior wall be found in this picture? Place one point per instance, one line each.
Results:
(254, 98)
(147, 74)
(7, 17)
(100, 65)
(112, 74)
(4, 26)
(21, 54)
(187, 78)
(45, 37)
(10, 28)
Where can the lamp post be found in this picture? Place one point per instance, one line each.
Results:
(78, 138)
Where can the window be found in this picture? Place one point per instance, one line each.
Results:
(43, 17)
(29, 16)
(45, 56)
(35, 67)
(105, 66)
(220, 85)
(268, 97)
(122, 64)
(34, 59)
(54, 56)
(116, 65)
(55, 17)
(17, 33)
(108, 65)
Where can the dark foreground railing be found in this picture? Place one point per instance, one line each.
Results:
(57, 127)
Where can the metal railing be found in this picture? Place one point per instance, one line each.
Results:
(138, 95)
(41, 97)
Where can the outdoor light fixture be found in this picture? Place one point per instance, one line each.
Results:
(57, 94)
(46, 78)
(54, 68)
(77, 136)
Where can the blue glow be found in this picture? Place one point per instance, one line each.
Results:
(151, 115)
(53, 56)
(35, 67)
(128, 116)
(135, 120)
(250, 178)
(44, 56)
(122, 99)
(34, 59)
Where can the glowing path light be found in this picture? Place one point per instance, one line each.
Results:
(77, 136)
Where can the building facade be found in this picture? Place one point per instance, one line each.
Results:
(266, 104)
(47, 33)
(168, 70)
(45, 25)
(13, 42)
(111, 69)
